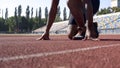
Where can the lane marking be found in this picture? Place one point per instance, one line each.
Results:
(3, 59)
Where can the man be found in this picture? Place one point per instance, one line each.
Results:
(51, 18)
(87, 9)
(73, 25)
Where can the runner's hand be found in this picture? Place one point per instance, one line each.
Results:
(45, 36)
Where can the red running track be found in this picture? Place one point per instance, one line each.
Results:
(21, 51)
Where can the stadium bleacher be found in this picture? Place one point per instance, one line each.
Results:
(57, 28)
(107, 24)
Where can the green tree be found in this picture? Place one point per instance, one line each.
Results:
(11, 24)
(116, 9)
(3, 26)
(36, 13)
(46, 14)
(28, 18)
(19, 17)
(39, 16)
(64, 14)
(36, 20)
(31, 12)
(16, 20)
(57, 19)
(19, 10)
(41, 23)
(27, 12)
(58, 11)
(6, 14)
(24, 24)
(31, 24)
(6, 17)
(102, 11)
(108, 10)
(2, 13)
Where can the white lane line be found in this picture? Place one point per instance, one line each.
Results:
(3, 59)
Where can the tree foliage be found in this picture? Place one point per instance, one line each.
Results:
(27, 23)
(64, 14)
(108, 10)
(19, 10)
(46, 14)
(58, 18)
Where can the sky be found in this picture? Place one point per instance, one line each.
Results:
(11, 4)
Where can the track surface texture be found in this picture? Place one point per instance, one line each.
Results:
(23, 51)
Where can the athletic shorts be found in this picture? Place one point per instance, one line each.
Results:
(95, 4)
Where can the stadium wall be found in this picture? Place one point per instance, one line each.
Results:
(107, 24)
